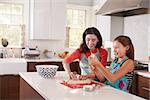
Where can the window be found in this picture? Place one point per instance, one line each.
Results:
(11, 19)
(76, 23)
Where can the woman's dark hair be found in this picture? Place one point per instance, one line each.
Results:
(126, 41)
(90, 30)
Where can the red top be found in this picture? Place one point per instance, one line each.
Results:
(77, 55)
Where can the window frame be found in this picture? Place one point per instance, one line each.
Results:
(88, 16)
(22, 26)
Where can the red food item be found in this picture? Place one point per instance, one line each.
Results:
(74, 86)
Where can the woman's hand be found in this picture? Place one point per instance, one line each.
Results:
(83, 77)
(72, 75)
(75, 76)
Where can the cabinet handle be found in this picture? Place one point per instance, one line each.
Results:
(147, 89)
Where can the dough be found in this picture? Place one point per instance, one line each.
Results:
(92, 55)
(87, 81)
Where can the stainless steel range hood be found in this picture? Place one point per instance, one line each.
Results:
(125, 7)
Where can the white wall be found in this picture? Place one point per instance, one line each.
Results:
(110, 26)
(137, 28)
(104, 26)
(117, 25)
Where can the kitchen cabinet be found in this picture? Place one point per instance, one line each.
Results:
(27, 92)
(9, 87)
(9, 77)
(74, 65)
(0, 88)
(143, 87)
(40, 19)
(47, 19)
(58, 19)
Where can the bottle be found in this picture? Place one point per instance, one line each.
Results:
(11, 53)
(22, 52)
(1, 54)
(37, 51)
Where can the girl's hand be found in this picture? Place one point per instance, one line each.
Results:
(93, 61)
(83, 77)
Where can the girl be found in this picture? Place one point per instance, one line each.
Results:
(91, 43)
(123, 63)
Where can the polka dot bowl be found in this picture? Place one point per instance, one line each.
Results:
(46, 71)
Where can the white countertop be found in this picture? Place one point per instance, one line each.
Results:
(54, 59)
(51, 89)
(12, 60)
(144, 60)
(143, 73)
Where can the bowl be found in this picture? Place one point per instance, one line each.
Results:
(46, 71)
(49, 54)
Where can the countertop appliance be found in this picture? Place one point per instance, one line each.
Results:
(30, 53)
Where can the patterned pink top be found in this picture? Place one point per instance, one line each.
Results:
(77, 55)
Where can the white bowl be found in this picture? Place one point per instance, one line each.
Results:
(47, 71)
(49, 54)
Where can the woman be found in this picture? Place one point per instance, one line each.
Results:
(91, 44)
(123, 63)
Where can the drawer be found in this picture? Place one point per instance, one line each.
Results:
(143, 87)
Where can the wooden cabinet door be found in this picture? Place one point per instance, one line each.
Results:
(74, 66)
(27, 92)
(0, 87)
(9, 87)
(144, 87)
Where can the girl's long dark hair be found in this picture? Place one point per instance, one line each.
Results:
(90, 30)
(126, 41)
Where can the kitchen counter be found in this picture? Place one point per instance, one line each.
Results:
(143, 73)
(51, 89)
(45, 59)
(145, 61)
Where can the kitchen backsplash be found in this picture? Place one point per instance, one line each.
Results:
(11, 52)
(17, 52)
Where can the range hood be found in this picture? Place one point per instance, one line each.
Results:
(124, 7)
